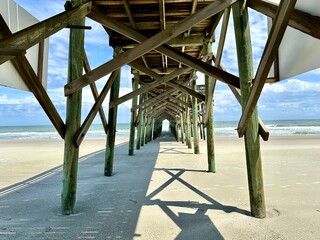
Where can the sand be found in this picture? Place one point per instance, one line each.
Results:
(21, 160)
(163, 192)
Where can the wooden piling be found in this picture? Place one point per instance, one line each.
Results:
(210, 126)
(195, 120)
(73, 119)
(188, 125)
(135, 83)
(182, 128)
(112, 121)
(251, 137)
(139, 130)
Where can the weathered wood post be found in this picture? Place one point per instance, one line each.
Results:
(251, 137)
(139, 130)
(143, 128)
(182, 128)
(210, 127)
(135, 83)
(177, 130)
(73, 118)
(195, 120)
(188, 125)
(112, 121)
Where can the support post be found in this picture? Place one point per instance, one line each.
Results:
(188, 125)
(112, 120)
(135, 83)
(182, 128)
(195, 120)
(177, 130)
(210, 126)
(251, 137)
(143, 128)
(139, 130)
(73, 119)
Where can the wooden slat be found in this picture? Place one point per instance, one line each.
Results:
(147, 45)
(32, 35)
(167, 50)
(299, 20)
(273, 42)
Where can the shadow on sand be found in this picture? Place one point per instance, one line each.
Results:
(107, 208)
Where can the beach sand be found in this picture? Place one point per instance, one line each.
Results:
(170, 196)
(21, 160)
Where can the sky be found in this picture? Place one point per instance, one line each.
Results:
(295, 98)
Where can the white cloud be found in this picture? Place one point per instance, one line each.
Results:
(292, 86)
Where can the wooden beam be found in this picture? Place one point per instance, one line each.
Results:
(299, 20)
(273, 42)
(33, 82)
(161, 96)
(187, 90)
(171, 83)
(217, 62)
(94, 110)
(12, 52)
(148, 87)
(32, 35)
(179, 41)
(95, 94)
(167, 50)
(147, 45)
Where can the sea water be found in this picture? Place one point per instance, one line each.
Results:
(222, 128)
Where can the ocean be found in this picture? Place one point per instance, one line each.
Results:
(222, 128)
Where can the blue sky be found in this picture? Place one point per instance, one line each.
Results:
(294, 98)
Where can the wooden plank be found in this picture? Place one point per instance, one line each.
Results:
(33, 82)
(273, 42)
(94, 110)
(147, 45)
(34, 34)
(148, 87)
(299, 20)
(252, 140)
(95, 94)
(73, 119)
(167, 50)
